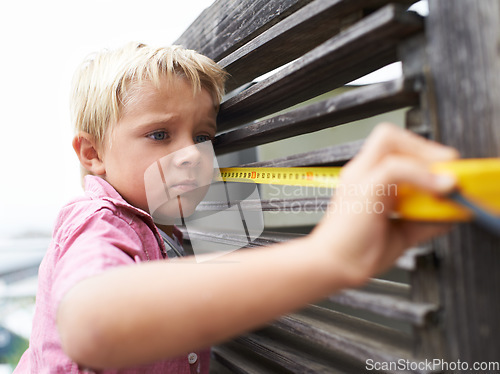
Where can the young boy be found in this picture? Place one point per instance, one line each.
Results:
(110, 301)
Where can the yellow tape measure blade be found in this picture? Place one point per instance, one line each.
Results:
(478, 180)
(295, 176)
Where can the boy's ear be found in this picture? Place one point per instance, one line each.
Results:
(85, 147)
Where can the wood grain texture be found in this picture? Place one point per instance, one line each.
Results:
(228, 24)
(464, 57)
(344, 335)
(282, 354)
(360, 49)
(292, 37)
(350, 106)
(394, 307)
(335, 155)
(317, 340)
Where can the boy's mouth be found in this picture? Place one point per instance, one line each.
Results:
(185, 185)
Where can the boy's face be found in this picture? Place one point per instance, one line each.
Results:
(162, 127)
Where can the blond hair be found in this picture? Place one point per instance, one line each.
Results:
(101, 83)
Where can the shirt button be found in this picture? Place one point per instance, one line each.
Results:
(192, 358)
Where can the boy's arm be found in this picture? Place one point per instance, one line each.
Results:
(143, 313)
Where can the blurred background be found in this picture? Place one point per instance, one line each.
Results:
(43, 43)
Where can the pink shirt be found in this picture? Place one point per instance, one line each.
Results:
(94, 233)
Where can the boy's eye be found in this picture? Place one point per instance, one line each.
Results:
(158, 135)
(202, 138)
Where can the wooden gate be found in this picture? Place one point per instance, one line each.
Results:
(441, 301)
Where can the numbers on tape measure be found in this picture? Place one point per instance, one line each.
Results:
(316, 176)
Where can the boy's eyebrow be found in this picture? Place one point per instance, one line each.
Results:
(166, 119)
(157, 119)
(212, 124)
(152, 122)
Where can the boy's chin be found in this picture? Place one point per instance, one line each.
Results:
(172, 212)
(178, 207)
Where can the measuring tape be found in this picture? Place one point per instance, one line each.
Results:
(301, 176)
(477, 179)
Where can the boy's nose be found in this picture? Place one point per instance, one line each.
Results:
(187, 156)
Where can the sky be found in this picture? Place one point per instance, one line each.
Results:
(43, 42)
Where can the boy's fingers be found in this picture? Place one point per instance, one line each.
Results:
(389, 139)
(405, 170)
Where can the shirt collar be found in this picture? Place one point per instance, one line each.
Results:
(97, 188)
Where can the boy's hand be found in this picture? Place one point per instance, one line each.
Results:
(358, 226)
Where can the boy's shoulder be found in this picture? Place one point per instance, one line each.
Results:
(102, 200)
(98, 195)
(101, 214)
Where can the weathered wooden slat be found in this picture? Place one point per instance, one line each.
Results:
(295, 35)
(345, 335)
(333, 155)
(386, 287)
(237, 362)
(226, 237)
(410, 259)
(237, 239)
(226, 25)
(349, 106)
(464, 39)
(363, 47)
(389, 299)
(424, 280)
(313, 204)
(418, 314)
(283, 355)
(227, 359)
